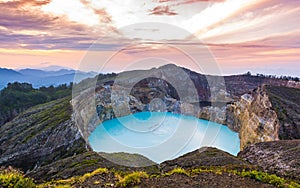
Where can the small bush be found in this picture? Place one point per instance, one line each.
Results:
(132, 179)
(178, 171)
(268, 178)
(11, 178)
(264, 177)
(95, 172)
(200, 170)
(77, 179)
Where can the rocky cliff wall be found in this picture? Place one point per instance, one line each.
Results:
(254, 118)
(286, 103)
(40, 135)
(253, 115)
(268, 113)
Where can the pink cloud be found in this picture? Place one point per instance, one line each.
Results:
(162, 10)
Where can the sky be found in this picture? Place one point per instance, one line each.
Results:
(208, 36)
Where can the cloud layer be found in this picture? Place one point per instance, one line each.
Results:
(241, 34)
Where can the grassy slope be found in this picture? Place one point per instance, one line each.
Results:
(91, 170)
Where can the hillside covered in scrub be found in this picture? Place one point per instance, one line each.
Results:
(17, 97)
(46, 140)
(208, 167)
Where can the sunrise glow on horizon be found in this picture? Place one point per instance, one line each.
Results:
(261, 36)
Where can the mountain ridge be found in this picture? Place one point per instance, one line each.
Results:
(47, 136)
(38, 77)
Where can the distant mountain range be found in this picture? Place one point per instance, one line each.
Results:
(39, 77)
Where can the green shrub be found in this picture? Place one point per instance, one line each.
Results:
(177, 171)
(132, 179)
(10, 178)
(66, 183)
(293, 185)
(95, 172)
(264, 177)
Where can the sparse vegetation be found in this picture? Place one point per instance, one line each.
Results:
(60, 112)
(11, 178)
(132, 179)
(77, 179)
(253, 174)
(177, 170)
(95, 172)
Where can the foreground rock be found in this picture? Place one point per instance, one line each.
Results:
(89, 161)
(206, 156)
(279, 157)
(207, 167)
(176, 180)
(204, 180)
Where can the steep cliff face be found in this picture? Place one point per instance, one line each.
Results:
(254, 118)
(268, 113)
(286, 103)
(40, 135)
(250, 112)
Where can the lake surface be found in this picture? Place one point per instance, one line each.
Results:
(161, 136)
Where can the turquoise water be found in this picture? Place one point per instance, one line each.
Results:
(161, 136)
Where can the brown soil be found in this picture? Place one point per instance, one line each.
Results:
(178, 180)
(203, 180)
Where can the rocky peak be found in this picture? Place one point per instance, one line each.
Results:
(255, 118)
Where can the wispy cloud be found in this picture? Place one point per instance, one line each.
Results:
(104, 17)
(22, 3)
(254, 22)
(182, 2)
(162, 10)
(24, 25)
(239, 33)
